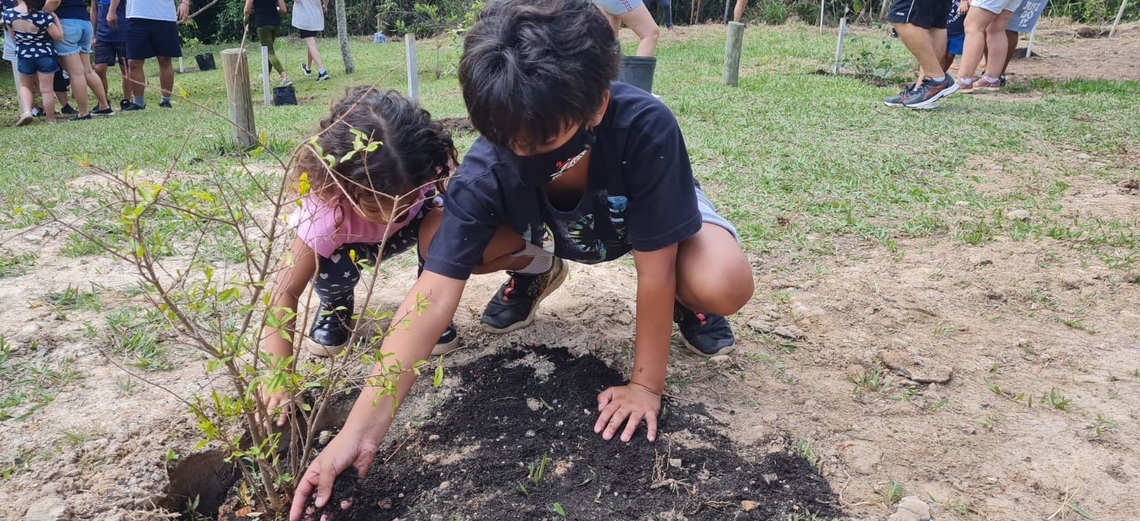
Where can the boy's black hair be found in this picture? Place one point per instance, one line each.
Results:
(415, 150)
(532, 68)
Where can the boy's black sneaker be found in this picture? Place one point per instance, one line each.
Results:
(103, 112)
(447, 342)
(897, 101)
(67, 110)
(307, 71)
(133, 106)
(1001, 81)
(165, 105)
(513, 306)
(123, 103)
(324, 76)
(331, 329)
(703, 333)
(77, 117)
(926, 96)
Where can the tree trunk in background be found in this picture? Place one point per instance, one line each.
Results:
(342, 37)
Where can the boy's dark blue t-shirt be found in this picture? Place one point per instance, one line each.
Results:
(104, 32)
(640, 194)
(955, 22)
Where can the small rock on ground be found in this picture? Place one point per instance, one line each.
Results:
(49, 508)
(749, 506)
(911, 508)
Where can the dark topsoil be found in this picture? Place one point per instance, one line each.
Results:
(478, 458)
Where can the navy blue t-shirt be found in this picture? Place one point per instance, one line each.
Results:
(265, 13)
(640, 194)
(955, 22)
(104, 32)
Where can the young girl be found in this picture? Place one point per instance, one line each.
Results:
(267, 21)
(346, 212)
(33, 31)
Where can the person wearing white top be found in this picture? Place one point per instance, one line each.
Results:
(309, 19)
(152, 33)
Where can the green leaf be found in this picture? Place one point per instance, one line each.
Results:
(437, 380)
(1080, 511)
(558, 509)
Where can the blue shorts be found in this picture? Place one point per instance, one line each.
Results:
(149, 38)
(709, 215)
(618, 7)
(76, 37)
(33, 66)
(954, 44)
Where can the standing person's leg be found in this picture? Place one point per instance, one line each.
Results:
(139, 47)
(922, 28)
(165, 77)
(978, 20)
(641, 23)
(666, 13)
(60, 82)
(1011, 38)
(997, 44)
(738, 11)
(138, 82)
(46, 93)
(167, 46)
(125, 73)
(25, 86)
(917, 40)
(69, 58)
(267, 36)
(314, 56)
(104, 56)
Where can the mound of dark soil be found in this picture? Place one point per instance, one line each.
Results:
(516, 442)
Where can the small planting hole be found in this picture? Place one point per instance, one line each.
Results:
(206, 476)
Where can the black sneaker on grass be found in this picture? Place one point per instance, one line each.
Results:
(703, 333)
(165, 105)
(133, 106)
(926, 96)
(324, 76)
(77, 117)
(306, 71)
(513, 306)
(68, 110)
(897, 101)
(104, 112)
(123, 104)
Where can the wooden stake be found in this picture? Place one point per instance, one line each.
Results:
(235, 69)
(732, 44)
(1119, 14)
(821, 16)
(265, 70)
(1029, 47)
(181, 69)
(413, 68)
(839, 45)
(727, 10)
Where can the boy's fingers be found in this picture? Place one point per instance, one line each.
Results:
(615, 423)
(631, 426)
(651, 426)
(603, 418)
(605, 397)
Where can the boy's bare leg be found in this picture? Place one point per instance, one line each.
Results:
(738, 11)
(138, 78)
(920, 43)
(642, 24)
(713, 274)
(1011, 41)
(128, 88)
(997, 42)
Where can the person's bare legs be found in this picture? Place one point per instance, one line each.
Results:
(314, 56)
(713, 274)
(25, 90)
(101, 72)
(138, 77)
(93, 82)
(997, 43)
(977, 22)
(642, 24)
(738, 11)
(46, 92)
(73, 64)
(128, 88)
(920, 43)
(165, 75)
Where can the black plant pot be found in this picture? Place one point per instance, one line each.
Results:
(284, 95)
(206, 62)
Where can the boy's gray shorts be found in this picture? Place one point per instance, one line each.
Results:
(709, 215)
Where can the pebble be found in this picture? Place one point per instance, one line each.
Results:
(760, 325)
(431, 459)
(1019, 215)
(788, 332)
(436, 517)
(675, 463)
(323, 438)
(770, 418)
(1083, 155)
(445, 485)
(911, 508)
(533, 404)
(749, 506)
(433, 437)
(529, 434)
(770, 478)
(49, 508)
(384, 504)
(720, 360)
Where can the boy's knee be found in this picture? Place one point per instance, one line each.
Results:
(722, 295)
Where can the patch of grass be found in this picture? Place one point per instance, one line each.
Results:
(892, 492)
(989, 421)
(1056, 399)
(804, 450)
(73, 298)
(1009, 395)
(876, 380)
(1101, 425)
(26, 387)
(12, 265)
(137, 335)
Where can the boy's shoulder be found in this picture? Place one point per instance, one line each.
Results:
(636, 110)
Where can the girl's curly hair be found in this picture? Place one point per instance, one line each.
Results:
(403, 150)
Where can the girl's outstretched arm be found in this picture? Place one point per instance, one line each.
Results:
(296, 271)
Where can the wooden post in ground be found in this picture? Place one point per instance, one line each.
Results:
(1119, 14)
(821, 16)
(732, 44)
(265, 70)
(727, 10)
(413, 68)
(839, 45)
(235, 68)
(181, 69)
(1029, 47)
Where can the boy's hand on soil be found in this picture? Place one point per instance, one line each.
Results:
(628, 405)
(343, 452)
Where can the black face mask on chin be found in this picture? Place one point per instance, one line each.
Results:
(539, 170)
